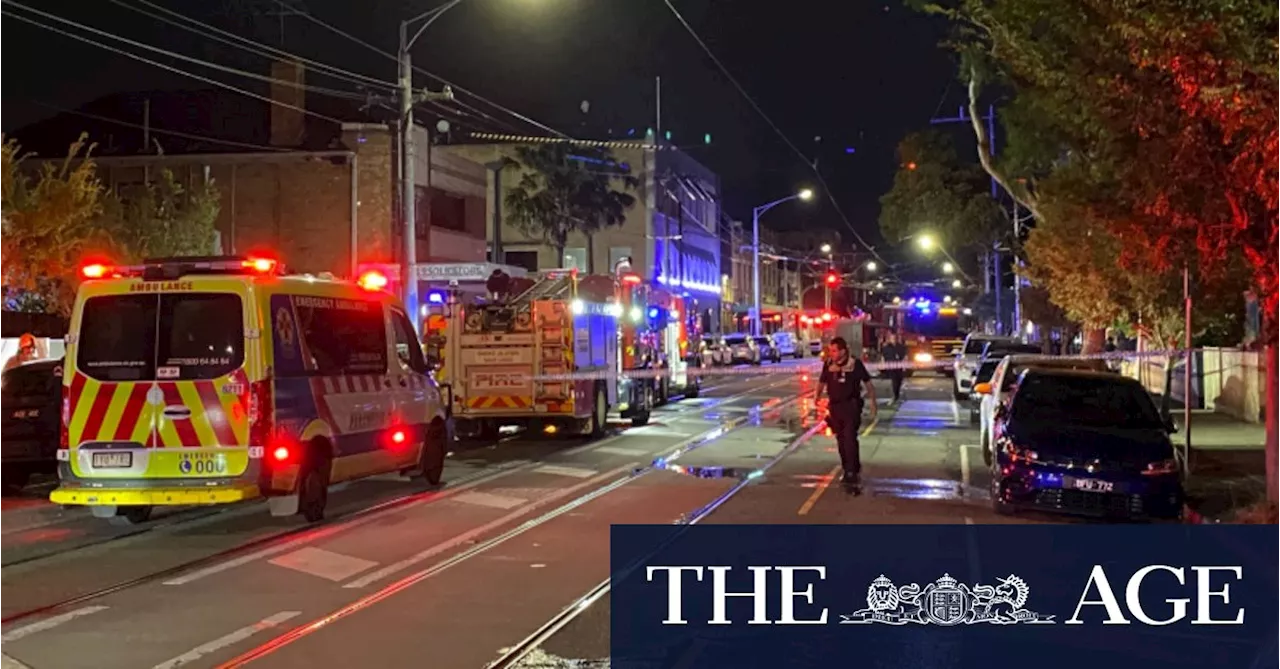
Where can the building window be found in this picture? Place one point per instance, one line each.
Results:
(616, 254)
(575, 257)
(528, 260)
(448, 211)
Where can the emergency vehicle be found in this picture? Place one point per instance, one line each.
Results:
(496, 356)
(930, 331)
(667, 334)
(220, 379)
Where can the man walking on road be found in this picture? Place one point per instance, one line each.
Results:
(844, 377)
(892, 351)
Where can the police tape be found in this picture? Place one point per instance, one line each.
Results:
(813, 365)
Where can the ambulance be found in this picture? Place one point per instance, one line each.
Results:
(213, 380)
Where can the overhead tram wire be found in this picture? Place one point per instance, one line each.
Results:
(826, 189)
(387, 54)
(350, 95)
(232, 39)
(158, 131)
(164, 66)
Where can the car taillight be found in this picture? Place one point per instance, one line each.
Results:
(261, 413)
(65, 438)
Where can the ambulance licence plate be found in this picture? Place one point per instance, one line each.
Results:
(112, 460)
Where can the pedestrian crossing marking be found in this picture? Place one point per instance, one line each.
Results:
(324, 564)
(621, 450)
(558, 470)
(489, 499)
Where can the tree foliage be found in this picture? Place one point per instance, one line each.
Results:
(50, 223)
(163, 218)
(1155, 118)
(566, 189)
(935, 191)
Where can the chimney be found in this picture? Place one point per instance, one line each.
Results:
(287, 125)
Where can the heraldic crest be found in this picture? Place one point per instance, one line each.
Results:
(947, 602)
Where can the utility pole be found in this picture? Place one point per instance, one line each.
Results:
(407, 98)
(756, 316)
(990, 118)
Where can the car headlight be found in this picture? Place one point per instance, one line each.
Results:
(924, 357)
(1162, 467)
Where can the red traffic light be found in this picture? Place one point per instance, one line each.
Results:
(832, 279)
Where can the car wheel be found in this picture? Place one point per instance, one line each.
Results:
(313, 491)
(693, 389)
(641, 418)
(431, 462)
(599, 413)
(956, 392)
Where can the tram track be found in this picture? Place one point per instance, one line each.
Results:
(703, 438)
(281, 540)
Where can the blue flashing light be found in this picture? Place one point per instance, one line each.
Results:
(435, 297)
(653, 312)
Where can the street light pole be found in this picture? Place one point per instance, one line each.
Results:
(757, 316)
(408, 158)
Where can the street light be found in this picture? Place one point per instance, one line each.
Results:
(956, 283)
(926, 241)
(871, 265)
(948, 268)
(826, 248)
(803, 194)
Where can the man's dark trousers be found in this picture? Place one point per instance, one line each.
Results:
(896, 376)
(845, 418)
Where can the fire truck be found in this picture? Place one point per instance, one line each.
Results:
(931, 331)
(500, 358)
(667, 333)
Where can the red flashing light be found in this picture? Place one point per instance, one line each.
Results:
(373, 280)
(826, 317)
(280, 453)
(261, 265)
(398, 437)
(94, 271)
(633, 279)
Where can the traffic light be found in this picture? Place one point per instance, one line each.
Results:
(706, 139)
(832, 278)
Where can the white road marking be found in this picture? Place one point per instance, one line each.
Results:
(48, 623)
(490, 500)
(222, 642)
(467, 536)
(325, 564)
(964, 465)
(622, 450)
(7, 662)
(559, 470)
(309, 537)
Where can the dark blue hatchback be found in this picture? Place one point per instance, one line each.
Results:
(1087, 443)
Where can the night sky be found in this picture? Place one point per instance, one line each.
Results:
(859, 74)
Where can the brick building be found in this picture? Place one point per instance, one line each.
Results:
(322, 195)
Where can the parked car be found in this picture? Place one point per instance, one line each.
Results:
(787, 345)
(31, 428)
(768, 349)
(816, 346)
(1084, 442)
(986, 369)
(742, 349)
(714, 351)
(1002, 382)
(966, 362)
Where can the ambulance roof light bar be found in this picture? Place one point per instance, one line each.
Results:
(159, 269)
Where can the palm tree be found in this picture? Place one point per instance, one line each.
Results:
(566, 189)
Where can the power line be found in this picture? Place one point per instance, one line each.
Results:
(375, 49)
(251, 46)
(197, 61)
(725, 71)
(170, 68)
(159, 131)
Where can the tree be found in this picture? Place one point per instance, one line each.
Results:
(934, 191)
(50, 224)
(566, 189)
(1157, 118)
(163, 218)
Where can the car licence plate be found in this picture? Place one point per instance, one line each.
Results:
(1093, 485)
(113, 460)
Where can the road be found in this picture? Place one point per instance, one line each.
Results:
(404, 576)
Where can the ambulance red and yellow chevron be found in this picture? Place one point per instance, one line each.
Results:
(129, 411)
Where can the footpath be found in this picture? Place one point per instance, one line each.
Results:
(1227, 480)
